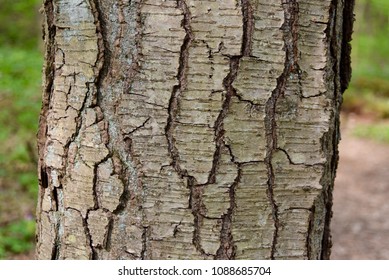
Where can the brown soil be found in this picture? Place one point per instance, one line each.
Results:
(360, 224)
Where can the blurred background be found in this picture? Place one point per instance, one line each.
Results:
(20, 93)
(361, 209)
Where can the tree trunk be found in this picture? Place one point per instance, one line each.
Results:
(183, 129)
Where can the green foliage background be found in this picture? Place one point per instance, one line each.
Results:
(18, 26)
(20, 93)
(369, 88)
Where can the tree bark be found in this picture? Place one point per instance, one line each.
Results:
(183, 129)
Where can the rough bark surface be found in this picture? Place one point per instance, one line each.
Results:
(189, 129)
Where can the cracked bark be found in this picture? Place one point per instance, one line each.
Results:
(187, 129)
(290, 35)
(178, 89)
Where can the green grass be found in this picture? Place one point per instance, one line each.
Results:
(368, 99)
(368, 93)
(20, 94)
(17, 238)
(377, 132)
(369, 88)
(19, 23)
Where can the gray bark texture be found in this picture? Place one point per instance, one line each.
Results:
(190, 129)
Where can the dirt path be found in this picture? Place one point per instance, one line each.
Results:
(360, 224)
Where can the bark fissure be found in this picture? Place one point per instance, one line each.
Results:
(94, 95)
(227, 249)
(48, 76)
(104, 58)
(119, 67)
(145, 238)
(176, 229)
(57, 243)
(55, 200)
(44, 178)
(345, 60)
(340, 55)
(334, 138)
(108, 236)
(248, 27)
(126, 194)
(310, 232)
(297, 164)
(195, 191)
(49, 33)
(85, 229)
(219, 127)
(137, 128)
(93, 255)
(290, 37)
(198, 211)
(178, 89)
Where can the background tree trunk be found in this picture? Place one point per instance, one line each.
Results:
(183, 129)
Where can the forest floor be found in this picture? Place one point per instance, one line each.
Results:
(360, 224)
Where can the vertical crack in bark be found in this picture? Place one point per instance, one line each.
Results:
(345, 60)
(227, 249)
(49, 69)
(44, 178)
(179, 88)
(130, 73)
(326, 243)
(327, 238)
(195, 195)
(104, 65)
(126, 195)
(108, 236)
(55, 200)
(57, 243)
(145, 237)
(198, 207)
(85, 229)
(104, 58)
(101, 68)
(219, 123)
(290, 36)
(339, 53)
(94, 186)
(119, 145)
(93, 253)
(331, 33)
(248, 27)
(310, 233)
(56, 212)
(340, 56)
(49, 34)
